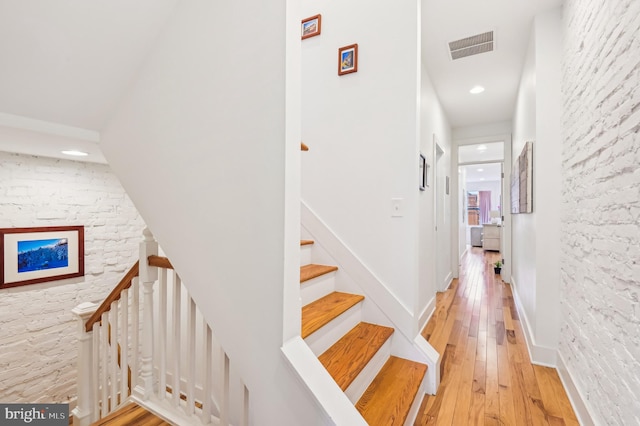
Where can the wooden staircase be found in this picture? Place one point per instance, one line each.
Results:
(357, 354)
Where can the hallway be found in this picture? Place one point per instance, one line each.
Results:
(486, 373)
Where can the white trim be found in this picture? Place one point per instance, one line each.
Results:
(539, 355)
(26, 123)
(397, 312)
(326, 393)
(576, 399)
(447, 281)
(426, 313)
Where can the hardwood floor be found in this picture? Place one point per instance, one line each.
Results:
(486, 375)
(131, 414)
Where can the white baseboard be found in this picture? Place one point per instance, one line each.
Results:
(577, 401)
(426, 314)
(447, 281)
(540, 355)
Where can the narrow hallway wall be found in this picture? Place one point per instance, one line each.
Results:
(600, 240)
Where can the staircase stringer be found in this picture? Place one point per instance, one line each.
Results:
(380, 305)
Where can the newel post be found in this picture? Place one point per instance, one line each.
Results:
(83, 413)
(148, 276)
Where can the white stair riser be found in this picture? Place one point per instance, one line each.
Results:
(305, 254)
(366, 376)
(417, 401)
(324, 338)
(318, 287)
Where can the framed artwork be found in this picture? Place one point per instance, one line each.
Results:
(36, 255)
(348, 59)
(446, 185)
(311, 26)
(423, 173)
(522, 181)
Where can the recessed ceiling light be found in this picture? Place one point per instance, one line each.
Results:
(476, 90)
(481, 178)
(481, 170)
(482, 148)
(75, 153)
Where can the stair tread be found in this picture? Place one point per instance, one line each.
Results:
(317, 314)
(306, 242)
(349, 355)
(309, 272)
(388, 399)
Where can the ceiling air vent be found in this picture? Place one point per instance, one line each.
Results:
(473, 45)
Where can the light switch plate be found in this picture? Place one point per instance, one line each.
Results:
(397, 207)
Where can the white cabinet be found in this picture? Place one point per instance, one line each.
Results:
(491, 237)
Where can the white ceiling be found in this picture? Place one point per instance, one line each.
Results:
(66, 63)
(483, 152)
(482, 172)
(498, 71)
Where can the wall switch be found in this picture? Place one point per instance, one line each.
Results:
(397, 207)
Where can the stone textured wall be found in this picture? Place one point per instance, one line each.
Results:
(38, 344)
(600, 337)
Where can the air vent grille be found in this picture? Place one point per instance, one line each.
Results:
(473, 45)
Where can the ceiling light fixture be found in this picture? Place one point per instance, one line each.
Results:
(481, 170)
(75, 153)
(482, 148)
(476, 90)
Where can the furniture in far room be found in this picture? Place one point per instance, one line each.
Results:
(476, 236)
(491, 237)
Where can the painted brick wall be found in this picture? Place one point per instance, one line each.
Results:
(37, 330)
(600, 338)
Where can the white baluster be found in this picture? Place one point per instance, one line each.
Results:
(124, 345)
(135, 332)
(224, 403)
(177, 300)
(208, 379)
(191, 355)
(104, 363)
(244, 421)
(162, 336)
(148, 276)
(95, 372)
(113, 330)
(83, 412)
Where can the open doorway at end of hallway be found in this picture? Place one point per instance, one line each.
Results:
(482, 209)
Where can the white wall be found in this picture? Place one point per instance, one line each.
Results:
(38, 333)
(362, 130)
(434, 124)
(202, 144)
(535, 273)
(600, 233)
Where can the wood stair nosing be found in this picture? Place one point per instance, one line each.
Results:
(388, 400)
(306, 242)
(317, 314)
(311, 271)
(351, 354)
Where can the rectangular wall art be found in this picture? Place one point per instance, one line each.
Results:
(36, 255)
(522, 181)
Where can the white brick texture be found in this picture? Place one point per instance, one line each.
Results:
(600, 273)
(38, 341)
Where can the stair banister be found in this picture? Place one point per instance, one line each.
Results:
(148, 276)
(83, 412)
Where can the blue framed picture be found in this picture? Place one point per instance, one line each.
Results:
(36, 255)
(348, 59)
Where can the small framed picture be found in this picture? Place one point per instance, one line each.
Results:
(311, 26)
(36, 255)
(348, 59)
(423, 172)
(447, 185)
